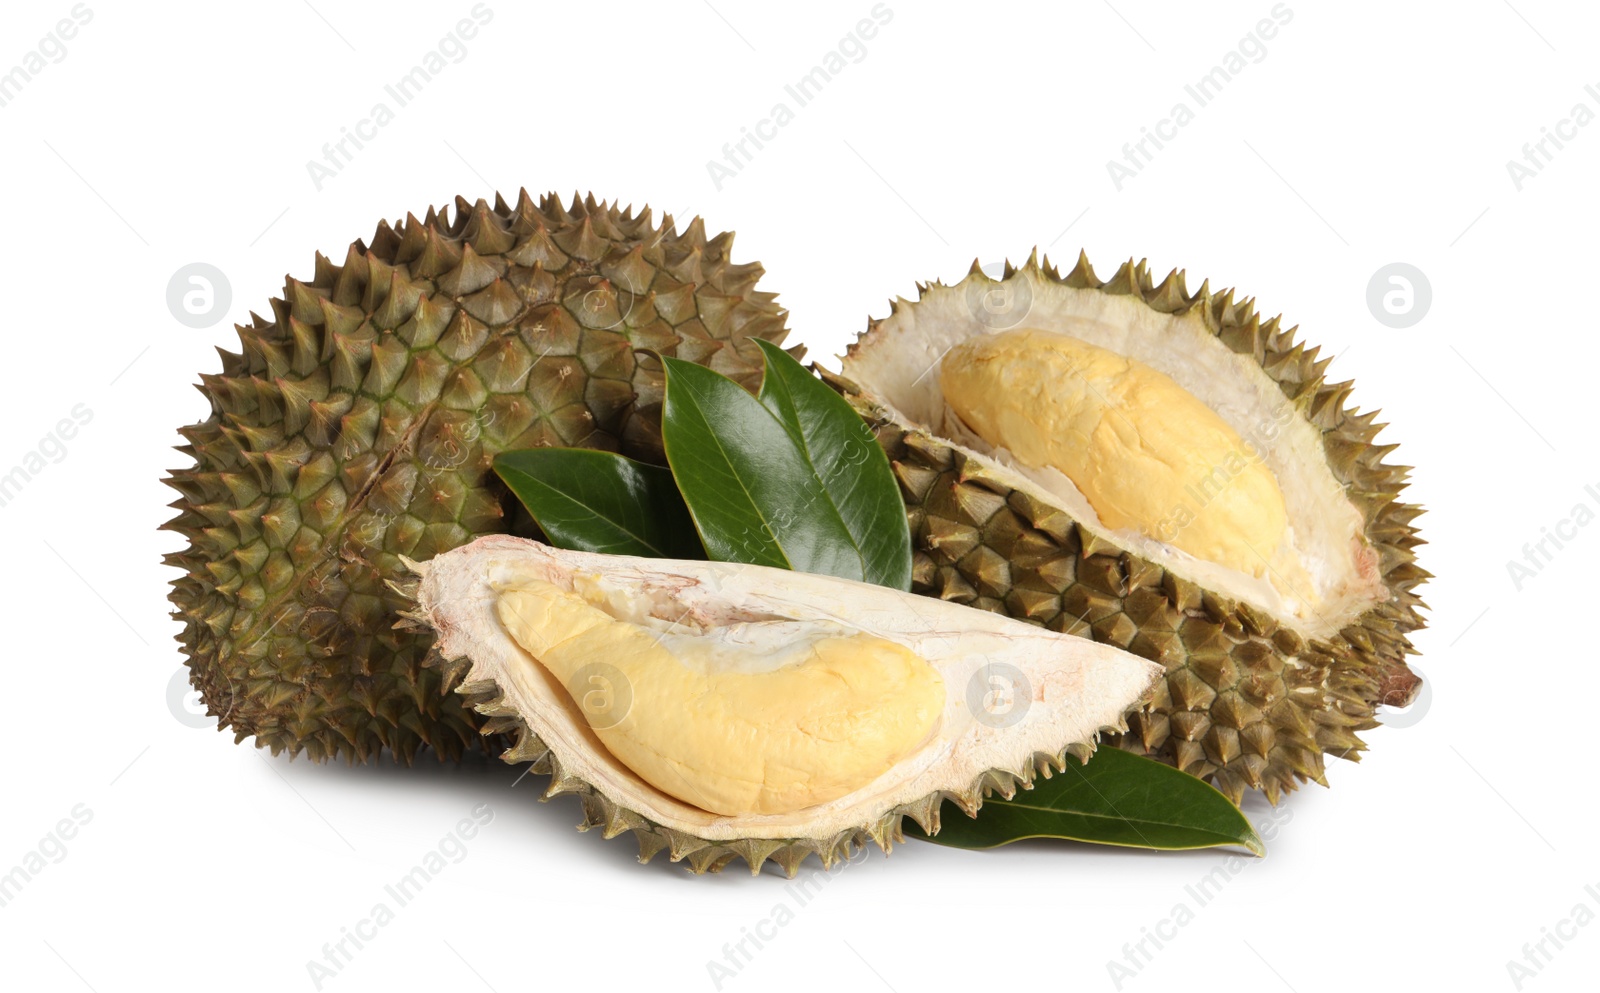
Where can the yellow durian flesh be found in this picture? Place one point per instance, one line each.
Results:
(726, 727)
(1145, 453)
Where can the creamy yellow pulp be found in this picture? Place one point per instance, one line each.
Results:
(731, 739)
(1145, 452)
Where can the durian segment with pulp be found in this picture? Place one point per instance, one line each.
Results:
(759, 712)
(721, 724)
(1319, 577)
(1262, 684)
(1147, 454)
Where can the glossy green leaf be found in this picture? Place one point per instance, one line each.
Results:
(1117, 798)
(847, 459)
(756, 494)
(595, 501)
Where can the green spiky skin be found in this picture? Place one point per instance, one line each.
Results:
(358, 423)
(1246, 704)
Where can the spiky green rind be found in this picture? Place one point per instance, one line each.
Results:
(1246, 703)
(357, 425)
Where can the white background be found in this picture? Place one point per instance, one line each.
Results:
(1370, 133)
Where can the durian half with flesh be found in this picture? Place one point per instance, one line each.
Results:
(720, 710)
(1165, 472)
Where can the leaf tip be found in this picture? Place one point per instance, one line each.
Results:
(1253, 841)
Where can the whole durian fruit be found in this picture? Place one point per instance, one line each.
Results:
(1165, 472)
(357, 424)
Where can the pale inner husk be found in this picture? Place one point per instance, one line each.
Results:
(898, 366)
(1074, 687)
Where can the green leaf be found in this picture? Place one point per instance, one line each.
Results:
(751, 477)
(847, 459)
(1117, 798)
(595, 501)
